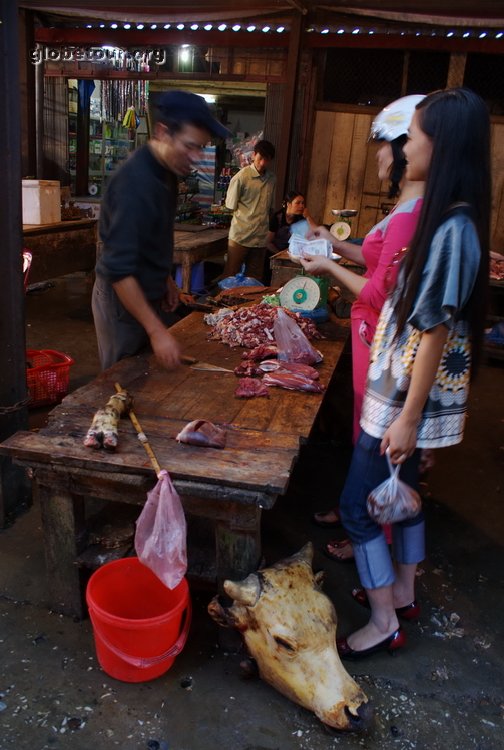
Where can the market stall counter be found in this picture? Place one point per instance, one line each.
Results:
(229, 486)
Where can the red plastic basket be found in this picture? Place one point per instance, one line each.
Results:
(47, 376)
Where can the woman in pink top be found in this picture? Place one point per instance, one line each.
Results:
(380, 253)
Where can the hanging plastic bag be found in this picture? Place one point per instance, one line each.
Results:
(393, 500)
(160, 537)
(230, 282)
(129, 120)
(293, 346)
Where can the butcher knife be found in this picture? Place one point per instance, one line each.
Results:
(196, 364)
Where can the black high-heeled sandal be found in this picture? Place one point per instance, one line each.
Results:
(391, 644)
(410, 611)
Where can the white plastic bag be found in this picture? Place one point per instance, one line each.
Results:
(293, 346)
(160, 537)
(393, 500)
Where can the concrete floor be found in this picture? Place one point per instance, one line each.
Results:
(445, 690)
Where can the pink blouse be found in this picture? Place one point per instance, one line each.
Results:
(379, 249)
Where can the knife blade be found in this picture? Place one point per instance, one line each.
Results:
(196, 364)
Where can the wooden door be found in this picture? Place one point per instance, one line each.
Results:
(343, 172)
(497, 164)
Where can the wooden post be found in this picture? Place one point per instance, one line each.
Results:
(27, 92)
(456, 69)
(82, 164)
(59, 522)
(39, 121)
(13, 411)
(283, 149)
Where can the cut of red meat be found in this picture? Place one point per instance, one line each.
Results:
(497, 269)
(249, 388)
(254, 325)
(248, 368)
(308, 357)
(203, 433)
(292, 381)
(278, 366)
(263, 351)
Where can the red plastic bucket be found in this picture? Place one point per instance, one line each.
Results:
(138, 623)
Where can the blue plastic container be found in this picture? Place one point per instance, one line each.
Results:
(197, 277)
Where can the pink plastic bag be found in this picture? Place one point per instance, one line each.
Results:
(160, 537)
(393, 500)
(293, 346)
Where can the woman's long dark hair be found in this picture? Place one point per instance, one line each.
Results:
(290, 197)
(457, 122)
(398, 165)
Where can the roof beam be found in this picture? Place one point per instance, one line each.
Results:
(158, 38)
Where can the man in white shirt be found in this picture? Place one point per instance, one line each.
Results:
(250, 196)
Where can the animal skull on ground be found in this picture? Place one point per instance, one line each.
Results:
(289, 628)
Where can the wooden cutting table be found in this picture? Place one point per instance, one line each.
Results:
(230, 486)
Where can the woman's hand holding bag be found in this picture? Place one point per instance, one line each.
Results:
(393, 500)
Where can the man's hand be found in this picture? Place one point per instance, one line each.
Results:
(187, 299)
(164, 345)
(172, 296)
(166, 348)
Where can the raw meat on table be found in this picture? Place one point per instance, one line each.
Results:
(292, 381)
(312, 357)
(254, 325)
(497, 267)
(103, 432)
(203, 433)
(278, 366)
(248, 368)
(249, 388)
(263, 351)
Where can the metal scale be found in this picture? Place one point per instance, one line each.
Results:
(342, 228)
(308, 295)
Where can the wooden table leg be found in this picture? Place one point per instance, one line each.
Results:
(238, 550)
(238, 553)
(60, 547)
(238, 544)
(186, 275)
